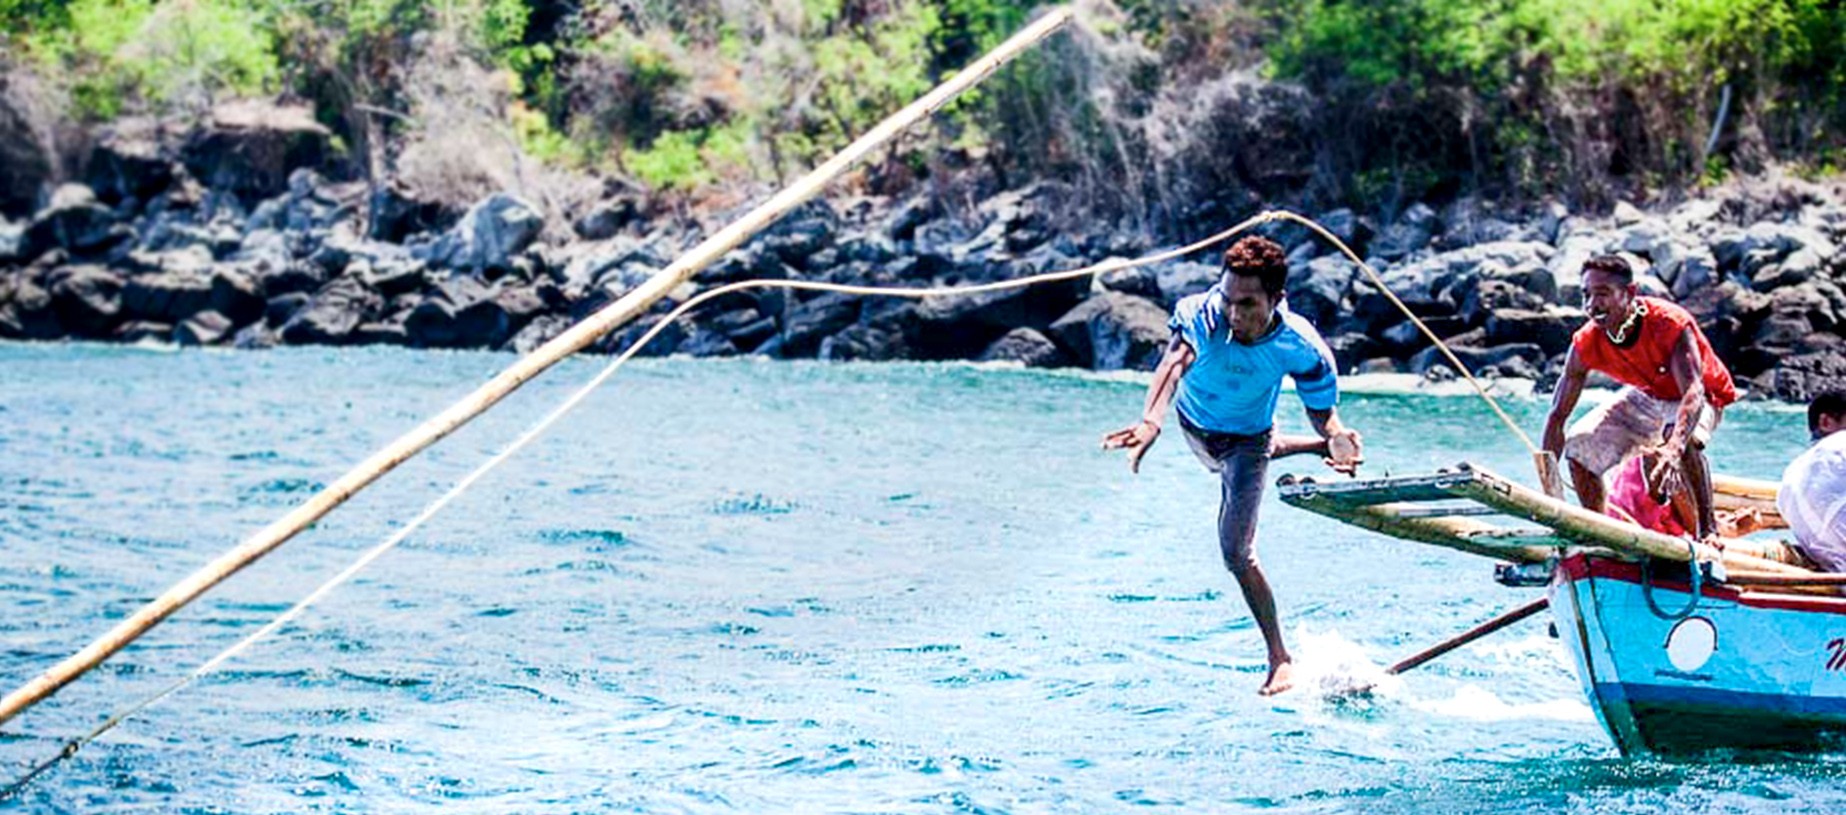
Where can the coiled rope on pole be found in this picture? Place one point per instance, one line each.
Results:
(390, 542)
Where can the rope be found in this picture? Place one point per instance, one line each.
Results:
(1692, 603)
(1440, 345)
(1114, 264)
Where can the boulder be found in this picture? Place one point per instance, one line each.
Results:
(1627, 214)
(995, 312)
(1477, 359)
(1490, 296)
(1177, 279)
(1111, 331)
(12, 242)
(249, 147)
(1698, 270)
(608, 217)
(278, 309)
(1800, 378)
(1025, 346)
(1318, 289)
(237, 295)
(494, 230)
(1350, 351)
(28, 314)
(388, 331)
(1566, 265)
(395, 212)
(135, 331)
(541, 330)
(309, 205)
(807, 323)
(27, 150)
(333, 314)
(73, 220)
(702, 341)
(1801, 266)
(1139, 281)
(204, 328)
(168, 296)
(1549, 328)
(1405, 337)
(660, 345)
(1410, 233)
(865, 341)
(463, 313)
(131, 160)
(87, 299)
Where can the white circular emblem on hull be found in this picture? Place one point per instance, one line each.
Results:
(1691, 643)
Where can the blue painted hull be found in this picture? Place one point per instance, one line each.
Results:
(1738, 670)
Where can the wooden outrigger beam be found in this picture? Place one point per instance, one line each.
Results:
(1444, 509)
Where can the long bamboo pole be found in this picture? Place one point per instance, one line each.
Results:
(1469, 636)
(1505, 495)
(533, 364)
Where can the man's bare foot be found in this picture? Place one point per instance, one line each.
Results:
(1281, 678)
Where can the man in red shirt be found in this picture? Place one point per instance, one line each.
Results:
(1676, 391)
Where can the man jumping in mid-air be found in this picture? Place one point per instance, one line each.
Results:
(1231, 346)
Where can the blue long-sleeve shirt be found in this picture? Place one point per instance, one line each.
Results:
(1232, 387)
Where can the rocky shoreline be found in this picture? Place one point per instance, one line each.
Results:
(231, 238)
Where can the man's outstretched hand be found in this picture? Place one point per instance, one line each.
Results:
(1345, 451)
(1136, 438)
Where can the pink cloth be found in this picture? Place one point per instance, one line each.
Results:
(1629, 501)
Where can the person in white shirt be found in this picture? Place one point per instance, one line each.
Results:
(1813, 494)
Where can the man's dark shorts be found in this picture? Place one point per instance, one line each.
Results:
(1241, 463)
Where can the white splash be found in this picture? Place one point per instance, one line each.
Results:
(1481, 705)
(1330, 666)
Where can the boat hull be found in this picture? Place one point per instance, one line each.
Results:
(1734, 669)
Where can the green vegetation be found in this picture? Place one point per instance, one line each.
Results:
(1407, 98)
(1637, 80)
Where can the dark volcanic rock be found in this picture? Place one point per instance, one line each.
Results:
(87, 299)
(487, 238)
(395, 213)
(29, 161)
(28, 314)
(1027, 347)
(1318, 289)
(1111, 331)
(131, 160)
(333, 315)
(250, 147)
(1491, 296)
(73, 220)
(806, 324)
(204, 328)
(462, 313)
(1801, 378)
(538, 332)
(863, 341)
(143, 330)
(1477, 359)
(168, 297)
(1549, 329)
(960, 326)
(608, 218)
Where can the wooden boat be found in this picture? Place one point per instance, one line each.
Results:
(1678, 647)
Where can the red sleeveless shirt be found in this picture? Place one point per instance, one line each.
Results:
(1643, 363)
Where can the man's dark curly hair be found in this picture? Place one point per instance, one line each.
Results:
(1611, 264)
(1259, 256)
(1831, 402)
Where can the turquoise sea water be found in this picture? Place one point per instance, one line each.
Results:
(768, 587)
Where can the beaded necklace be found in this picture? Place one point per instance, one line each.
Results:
(1620, 334)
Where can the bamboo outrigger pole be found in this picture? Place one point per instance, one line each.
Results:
(533, 364)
